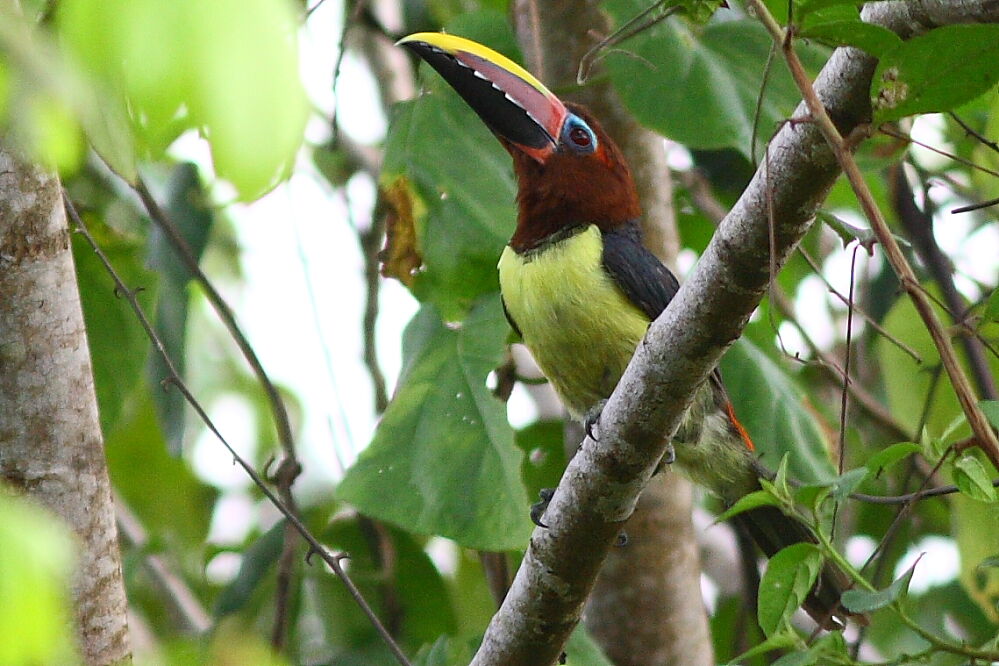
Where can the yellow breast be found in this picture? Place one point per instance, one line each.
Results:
(579, 326)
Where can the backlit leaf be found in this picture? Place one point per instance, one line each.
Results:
(789, 576)
(936, 71)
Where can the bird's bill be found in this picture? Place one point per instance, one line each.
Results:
(508, 99)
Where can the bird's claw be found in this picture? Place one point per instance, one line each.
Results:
(669, 457)
(593, 418)
(538, 508)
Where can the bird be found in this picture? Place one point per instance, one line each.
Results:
(580, 289)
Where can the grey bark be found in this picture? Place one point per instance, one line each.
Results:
(51, 448)
(603, 481)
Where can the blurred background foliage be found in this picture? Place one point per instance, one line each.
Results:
(204, 103)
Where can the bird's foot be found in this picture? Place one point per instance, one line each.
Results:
(593, 418)
(669, 457)
(538, 508)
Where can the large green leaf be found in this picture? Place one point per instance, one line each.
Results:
(396, 577)
(188, 209)
(776, 413)
(841, 26)
(907, 382)
(976, 529)
(257, 562)
(789, 576)
(118, 345)
(443, 459)
(937, 71)
(463, 180)
(160, 489)
(228, 67)
(700, 86)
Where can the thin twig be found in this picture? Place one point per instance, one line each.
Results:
(884, 129)
(625, 32)
(980, 426)
(700, 192)
(867, 402)
(289, 468)
(868, 319)
(975, 206)
(845, 393)
(985, 141)
(918, 226)
(174, 379)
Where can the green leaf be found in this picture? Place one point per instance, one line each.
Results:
(673, 67)
(799, 658)
(907, 383)
(847, 232)
(747, 502)
(840, 25)
(36, 563)
(582, 650)
(887, 457)
(443, 652)
(976, 530)
(972, 478)
(776, 413)
(419, 590)
(188, 209)
(160, 488)
(544, 455)
(990, 408)
(780, 486)
(55, 99)
(779, 641)
(789, 577)
(991, 312)
(828, 645)
(443, 459)
(847, 482)
(808, 8)
(228, 67)
(257, 561)
(469, 212)
(936, 71)
(118, 344)
(862, 601)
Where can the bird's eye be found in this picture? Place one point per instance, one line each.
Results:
(578, 136)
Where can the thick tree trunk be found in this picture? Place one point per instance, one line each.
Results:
(646, 607)
(51, 447)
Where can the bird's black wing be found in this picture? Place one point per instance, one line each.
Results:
(638, 273)
(509, 318)
(643, 278)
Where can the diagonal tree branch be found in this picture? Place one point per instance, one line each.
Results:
(604, 479)
(660, 567)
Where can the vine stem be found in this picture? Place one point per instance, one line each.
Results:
(985, 437)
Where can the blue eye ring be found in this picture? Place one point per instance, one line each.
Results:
(578, 136)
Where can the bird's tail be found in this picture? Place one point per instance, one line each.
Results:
(772, 530)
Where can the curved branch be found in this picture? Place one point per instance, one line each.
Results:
(604, 479)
